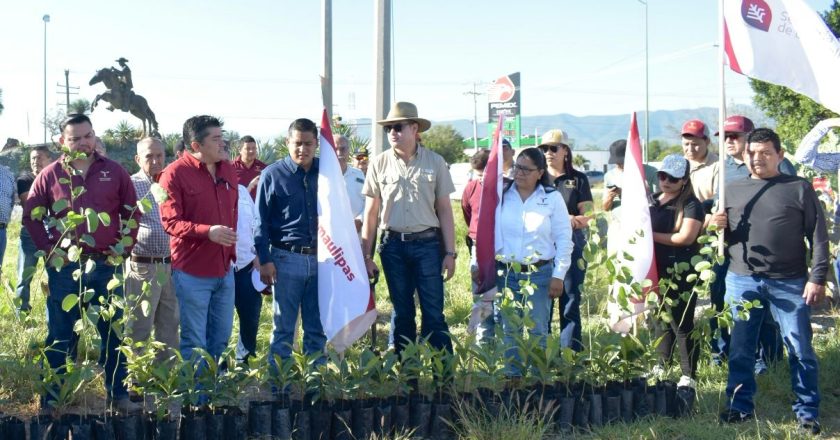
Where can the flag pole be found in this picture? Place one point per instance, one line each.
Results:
(721, 119)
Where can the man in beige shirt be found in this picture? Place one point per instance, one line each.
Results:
(407, 196)
(704, 163)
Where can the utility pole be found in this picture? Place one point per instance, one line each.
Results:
(382, 92)
(647, 89)
(475, 95)
(326, 47)
(67, 91)
(46, 19)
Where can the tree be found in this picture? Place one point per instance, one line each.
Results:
(795, 114)
(79, 106)
(446, 141)
(123, 133)
(580, 162)
(657, 150)
(232, 137)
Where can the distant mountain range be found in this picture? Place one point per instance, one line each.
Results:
(592, 132)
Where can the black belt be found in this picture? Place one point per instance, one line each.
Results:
(525, 268)
(151, 260)
(296, 248)
(410, 236)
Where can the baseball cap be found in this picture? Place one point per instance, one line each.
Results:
(674, 165)
(737, 124)
(696, 128)
(617, 151)
(506, 143)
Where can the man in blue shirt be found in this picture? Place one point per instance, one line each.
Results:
(286, 241)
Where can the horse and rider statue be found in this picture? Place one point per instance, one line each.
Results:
(121, 96)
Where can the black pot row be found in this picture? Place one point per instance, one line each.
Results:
(582, 406)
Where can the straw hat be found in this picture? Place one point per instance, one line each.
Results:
(405, 111)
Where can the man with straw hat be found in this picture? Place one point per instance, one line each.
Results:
(407, 189)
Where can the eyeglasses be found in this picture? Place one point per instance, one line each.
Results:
(669, 178)
(396, 127)
(547, 148)
(524, 170)
(734, 136)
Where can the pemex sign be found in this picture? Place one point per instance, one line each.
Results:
(504, 99)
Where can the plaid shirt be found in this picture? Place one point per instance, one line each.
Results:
(7, 194)
(152, 240)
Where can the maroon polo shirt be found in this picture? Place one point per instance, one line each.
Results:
(194, 203)
(108, 189)
(470, 201)
(246, 174)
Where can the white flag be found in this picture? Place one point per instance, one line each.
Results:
(784, 42)
(344, 295)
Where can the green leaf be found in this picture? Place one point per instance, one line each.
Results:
(92, 220)
(105, 218)
(113, 283)
(69, 302)
(90, 265)
(60, 205)
(144, 205)
(38, 212)
(88, 240)
(145, 307)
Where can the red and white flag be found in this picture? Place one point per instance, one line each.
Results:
(486, 236)
(783, 42)
(637, 239)
(344, 295)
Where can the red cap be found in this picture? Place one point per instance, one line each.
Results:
(737, 124)
(696, 128)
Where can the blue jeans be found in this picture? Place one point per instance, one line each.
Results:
(206, 308)
(570, 325)
(26, 258)
(62, 341)
(248, 305)
(411, 266)
(539, 304)
(296, 290)
(783, 299)
(486, 332)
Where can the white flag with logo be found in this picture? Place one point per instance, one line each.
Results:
(345, 298)
(783, 42)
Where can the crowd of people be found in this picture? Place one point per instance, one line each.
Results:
(205, 237)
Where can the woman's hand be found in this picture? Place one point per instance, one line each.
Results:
(555, 289)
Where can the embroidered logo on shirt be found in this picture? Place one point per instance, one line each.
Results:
(543, 201)
(104, 177)
(569, 184)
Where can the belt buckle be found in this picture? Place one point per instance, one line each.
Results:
(402, 236)
(305, 249)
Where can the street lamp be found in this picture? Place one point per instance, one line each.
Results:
(647, 93)
(46, 19)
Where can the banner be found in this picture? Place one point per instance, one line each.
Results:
(783, 42)
(637, 239)
(486, 236)
(344, 295)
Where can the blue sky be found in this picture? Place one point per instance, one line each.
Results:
(256, 63)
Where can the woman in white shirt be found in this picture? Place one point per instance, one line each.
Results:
(536, 233)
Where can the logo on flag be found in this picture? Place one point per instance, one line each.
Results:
(757, 14)
(345, 298)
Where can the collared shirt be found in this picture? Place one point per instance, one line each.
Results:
(807, 154)
(470, 203)
(152, 240)
(247, 223)
(736, 169)
(354, 179)
(287, 200)
(246, 174)
(7, 194)
(538, 228)
(194, 203)
(108, 189)
(408, 190)
(704, 176)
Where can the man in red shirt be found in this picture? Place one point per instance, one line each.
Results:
(199, 214)
(247, 166)
(85, 183)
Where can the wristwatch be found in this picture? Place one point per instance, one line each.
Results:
(452, 254)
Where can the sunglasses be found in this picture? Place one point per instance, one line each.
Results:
(669, 178)
(547, 148)
(734, 136)
(396, 127)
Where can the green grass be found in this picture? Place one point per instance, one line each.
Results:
(20, 341)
